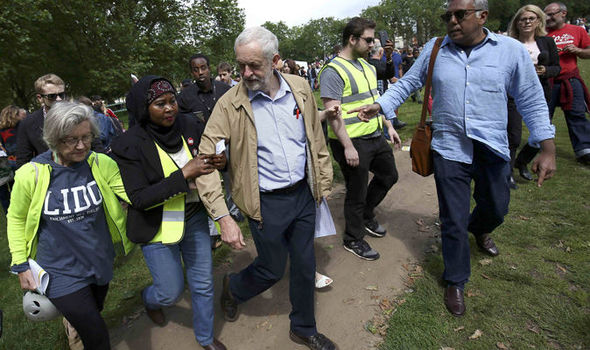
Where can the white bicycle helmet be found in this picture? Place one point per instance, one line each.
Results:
(38, 307)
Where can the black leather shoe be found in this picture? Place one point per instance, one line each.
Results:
(229, 305)
(585, 159)
(486, 244)
(216, 345)
(398, 124)
(317, 341)
(454, 300)
(512, 183)
(524, 172)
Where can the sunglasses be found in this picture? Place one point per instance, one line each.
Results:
(551, 14)
(368, 40)
(53, 97)
(459, 15)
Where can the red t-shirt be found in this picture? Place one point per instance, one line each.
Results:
(569, 34)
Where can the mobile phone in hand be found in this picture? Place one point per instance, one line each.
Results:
(383, 37)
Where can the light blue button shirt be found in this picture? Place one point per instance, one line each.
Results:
(281, 138)
(470, 95)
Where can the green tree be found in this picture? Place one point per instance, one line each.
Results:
(214, 26)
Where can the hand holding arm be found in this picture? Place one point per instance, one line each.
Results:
(197, 166)
(366, 112)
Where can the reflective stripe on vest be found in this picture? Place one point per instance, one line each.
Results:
(360, 88)
(172, 228)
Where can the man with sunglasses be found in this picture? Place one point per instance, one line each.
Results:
(474, 72)
(29, 143)
(569, 90)
(349, 81)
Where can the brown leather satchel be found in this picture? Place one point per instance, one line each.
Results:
(420, 151)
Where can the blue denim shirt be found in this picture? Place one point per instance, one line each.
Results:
(470, 95)
(281, 138)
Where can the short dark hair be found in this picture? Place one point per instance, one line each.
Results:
(224, 67)
(194, 57)
(355, 27)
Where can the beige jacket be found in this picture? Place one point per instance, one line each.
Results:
(233, 120)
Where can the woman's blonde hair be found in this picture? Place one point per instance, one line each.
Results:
(539, 31)
(9, 117)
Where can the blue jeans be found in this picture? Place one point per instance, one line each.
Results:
(453, 186)
(286, 232)
(165, 266)
(577, 125)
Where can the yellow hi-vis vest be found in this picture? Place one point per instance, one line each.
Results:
(360, 88)
(172, 229)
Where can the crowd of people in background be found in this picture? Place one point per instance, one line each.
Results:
(250, 144)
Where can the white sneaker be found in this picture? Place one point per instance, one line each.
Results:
(322, 281)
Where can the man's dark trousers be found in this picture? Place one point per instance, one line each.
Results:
(453, 179)
(376, 156)
(578, 125)
(287, 230)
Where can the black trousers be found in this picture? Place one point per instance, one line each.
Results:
(286, 231)
(362, 197)
(82, 309)
(514, 129)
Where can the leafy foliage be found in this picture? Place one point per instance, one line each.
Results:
(95, 45)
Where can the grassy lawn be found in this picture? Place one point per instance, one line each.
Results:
(535, 295)
(130, 277)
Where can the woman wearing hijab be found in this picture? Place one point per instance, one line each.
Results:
(159, 163)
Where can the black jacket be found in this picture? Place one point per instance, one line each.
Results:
(136, 154)
(550, 59)
(192, 101)
(29, 140)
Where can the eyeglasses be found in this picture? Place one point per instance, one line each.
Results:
(527, 19)
(551, 14)
(53, 97)
(368, 40)
(73, 141)
(459, 15)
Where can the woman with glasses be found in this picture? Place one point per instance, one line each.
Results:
(528, 26)
(65, 214)
(159, 164)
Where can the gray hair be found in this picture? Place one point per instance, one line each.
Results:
(267, 40)
(561, 6)
(478, 4)
(62, 118)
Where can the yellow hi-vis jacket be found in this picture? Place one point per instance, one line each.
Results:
(360, 88)
(172, 229)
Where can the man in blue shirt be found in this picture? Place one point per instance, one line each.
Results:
(474, 72)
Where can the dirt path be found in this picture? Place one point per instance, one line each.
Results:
(343, 309)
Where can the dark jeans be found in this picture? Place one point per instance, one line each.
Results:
(514, 129)
(286, 231)
(577, 124)
(362, 197)
(492, 196)
(82, 309)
